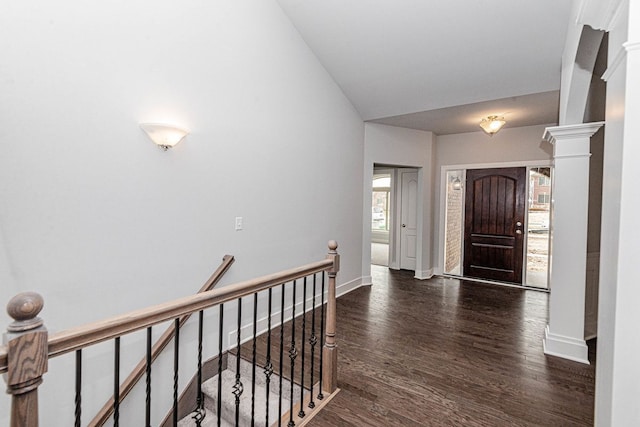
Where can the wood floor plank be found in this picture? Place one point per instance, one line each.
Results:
(448, 352)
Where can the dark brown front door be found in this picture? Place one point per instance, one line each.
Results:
(494, 223)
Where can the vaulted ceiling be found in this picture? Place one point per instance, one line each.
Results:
(440, 65)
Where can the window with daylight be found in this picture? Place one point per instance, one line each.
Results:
(539, 208)
(380, 202)
(543, 198)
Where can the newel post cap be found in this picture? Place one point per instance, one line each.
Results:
(333, 255)
(24, 309)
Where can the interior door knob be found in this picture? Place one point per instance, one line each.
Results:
(404, 225)
(518, 231)
(518, 224)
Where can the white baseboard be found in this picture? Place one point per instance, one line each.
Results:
(423, 274)
(352, 285)
(247, 330)
(566, 347)
(366, 281)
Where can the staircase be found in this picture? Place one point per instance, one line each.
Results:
(228, 401)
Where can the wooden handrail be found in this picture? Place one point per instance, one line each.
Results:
(227, 260)
(132, 379)
(96, 332)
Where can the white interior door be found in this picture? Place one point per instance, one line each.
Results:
(408, 219)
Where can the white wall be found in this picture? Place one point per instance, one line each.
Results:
(569, 68)
(389, 145)
(617, 370)
(100, 221)
(595, 112)
(510, 145)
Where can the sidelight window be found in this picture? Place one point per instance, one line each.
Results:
(539, 212)
(454, 212)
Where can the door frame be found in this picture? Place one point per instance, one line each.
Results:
(394, 226)
(397, 223)
(442, 203)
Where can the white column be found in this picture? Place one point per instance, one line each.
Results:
(618, 376)
(564, 334)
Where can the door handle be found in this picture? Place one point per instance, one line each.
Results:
(404, 225)
(518, 231)
(518, 224)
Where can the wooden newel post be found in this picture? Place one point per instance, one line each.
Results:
(27, 356)
(330, 350)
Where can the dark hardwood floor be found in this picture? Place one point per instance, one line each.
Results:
(446, 352)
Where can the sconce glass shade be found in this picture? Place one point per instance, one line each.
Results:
(492, 124)
(456, 183)
(165, 136)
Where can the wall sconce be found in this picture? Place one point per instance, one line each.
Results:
(492, 124)
(165, 136)
(456, 183)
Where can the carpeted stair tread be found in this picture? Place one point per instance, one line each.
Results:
(210, 390)
(274, 384)
(228, 410)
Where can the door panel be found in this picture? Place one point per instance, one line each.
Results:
(494, 223)
(409, 220)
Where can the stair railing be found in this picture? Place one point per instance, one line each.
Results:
(28, 347)
(136, 374)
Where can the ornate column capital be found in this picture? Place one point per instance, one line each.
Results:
(571, 140)
(581, 130)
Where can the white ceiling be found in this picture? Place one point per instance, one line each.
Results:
(524, 110)
(398, 57)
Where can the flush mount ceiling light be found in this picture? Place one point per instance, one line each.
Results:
(165, 136)
(492, 124)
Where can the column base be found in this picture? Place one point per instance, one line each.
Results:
(565, 347)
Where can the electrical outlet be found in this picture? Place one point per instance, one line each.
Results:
(238, 223)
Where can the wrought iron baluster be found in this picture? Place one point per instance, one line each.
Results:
(220, 331)
(176, 355)
(78, 399)
(313, 340)
(293, 353)
(304, 337)
(253, 365)
(268, 367)
(147, 412)
(200, 413)
(281, 356)
(116, 384)
(322, 314)
(238, 387)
